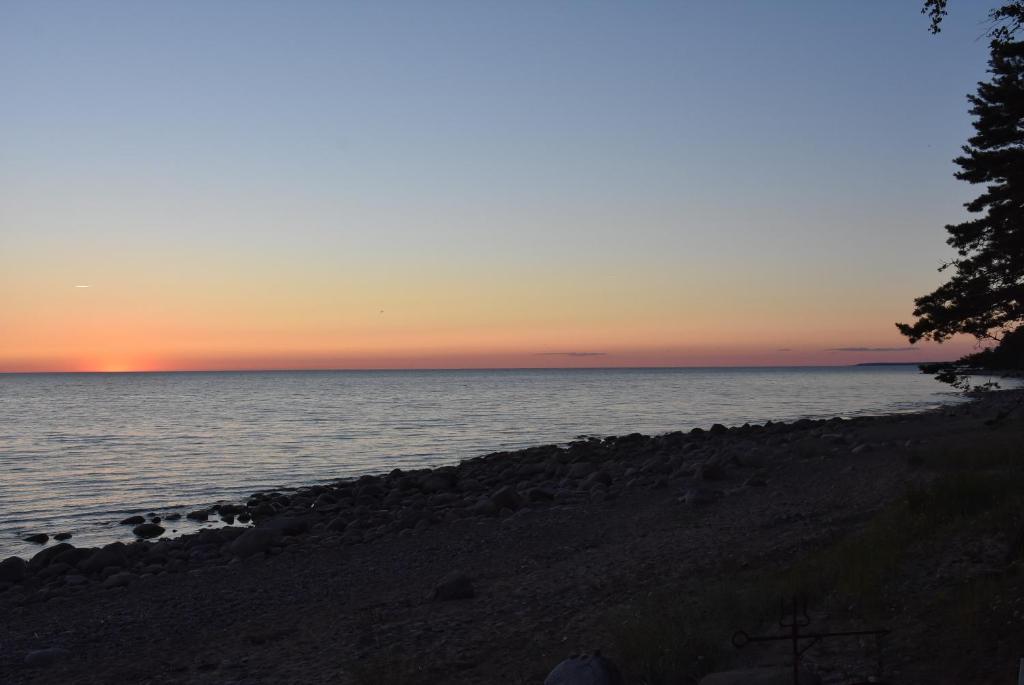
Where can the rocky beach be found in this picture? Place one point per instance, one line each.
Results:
(654, 549)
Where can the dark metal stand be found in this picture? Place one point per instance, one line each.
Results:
(796, 618)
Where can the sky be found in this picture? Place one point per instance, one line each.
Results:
(254, 184)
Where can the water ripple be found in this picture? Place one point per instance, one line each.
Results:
(78, 451)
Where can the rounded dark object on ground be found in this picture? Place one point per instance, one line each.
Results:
(585, 670)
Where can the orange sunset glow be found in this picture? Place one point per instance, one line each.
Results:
(232, 216)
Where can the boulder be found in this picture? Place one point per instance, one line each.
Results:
(61, 537)
(337, 524)
(133, 520)
(581, 469)
(148, 530)
(597, 478)
(406, 483)
(325, 502)
(437, 481)
(198, 515)
(72, 556)
(698, 496)
(44, 557)
(44, 657)
(253, 541)
(409, 518)
(118, 580)
(717, 429)
(484, 507)
(263, 510)
(540, 494)
(112, 555)
(760, 676)
(470, 485)
(711, 470)
(288, 525)
(230, 533)
(455, 585)
(535, 469)
(585, 670)
(38, 538)
(54, 569)
(507, 498)
(13, 569)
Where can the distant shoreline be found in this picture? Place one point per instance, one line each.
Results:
(918, 363)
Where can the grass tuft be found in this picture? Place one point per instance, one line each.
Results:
(976, 493)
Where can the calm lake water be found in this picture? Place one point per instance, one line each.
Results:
(78, 452)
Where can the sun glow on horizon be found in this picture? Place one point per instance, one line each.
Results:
(355, 186)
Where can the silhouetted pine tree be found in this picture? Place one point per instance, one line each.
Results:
(985, 296)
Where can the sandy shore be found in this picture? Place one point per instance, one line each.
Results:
(343, 583)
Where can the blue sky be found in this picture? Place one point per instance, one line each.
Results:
(794, 147)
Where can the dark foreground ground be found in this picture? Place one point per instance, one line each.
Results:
(653, 549)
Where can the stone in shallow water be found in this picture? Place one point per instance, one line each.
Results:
(60, 537)
(148, 530)
(38, 538)
(133, 520)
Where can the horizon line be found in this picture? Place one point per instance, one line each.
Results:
(474, 368)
